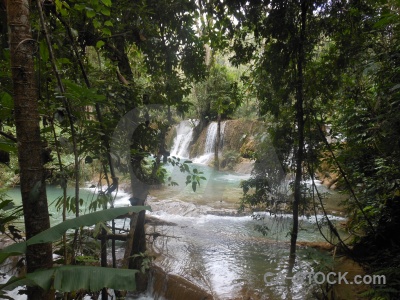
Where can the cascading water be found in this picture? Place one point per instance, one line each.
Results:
(184, 134)
(211, 140)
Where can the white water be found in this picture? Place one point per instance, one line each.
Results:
(184, 134)
(211, 140)
(223, 254)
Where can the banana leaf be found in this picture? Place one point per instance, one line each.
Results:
(54, 233)
(73, 278)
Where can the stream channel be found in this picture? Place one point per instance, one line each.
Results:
(201, 238)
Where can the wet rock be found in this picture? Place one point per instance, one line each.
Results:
(173, 287)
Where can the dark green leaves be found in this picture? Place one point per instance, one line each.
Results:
(194, 177)
(6, 105)
(82, 95)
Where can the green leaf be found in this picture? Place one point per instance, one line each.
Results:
(99, 44)
(12, 250)
(84, 95)
(44, 51)
(96, 230)
(90, 13)
(194, 184)
(105, 227)
(45, 130)
(108, 23)
(79, 7)
(73, 278)
(186, 168)
(6, 100)
(106, 31)
(63, 60)
(15, 282)
(5, 203)
(8, 146)
(66, 4)
(6, 104)
(54, 233)
(63, 12)
(96, 23)
(106, 2)
(105, 11)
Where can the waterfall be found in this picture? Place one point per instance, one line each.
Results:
(211, 140)
(184, 134)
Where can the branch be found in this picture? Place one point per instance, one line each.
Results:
(9, 136)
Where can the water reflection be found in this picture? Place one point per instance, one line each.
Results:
(226, 255)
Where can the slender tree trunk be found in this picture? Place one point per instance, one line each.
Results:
(103, 257)
(135, 242)
(300, 138)
(64, 188)
(32, 174)
(69, 114)
(106, 141)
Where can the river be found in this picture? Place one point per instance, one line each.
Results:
(202, 241)
(224, 254)
(200, 237)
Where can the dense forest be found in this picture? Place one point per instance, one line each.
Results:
(92, 89)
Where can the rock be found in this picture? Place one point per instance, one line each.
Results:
(245, 166)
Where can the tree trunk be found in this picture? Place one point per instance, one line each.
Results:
(300, 132)
(136, 239)
(33, 187)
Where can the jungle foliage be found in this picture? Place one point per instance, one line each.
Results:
(324, 75)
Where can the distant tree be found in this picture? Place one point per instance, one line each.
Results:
(216, 98)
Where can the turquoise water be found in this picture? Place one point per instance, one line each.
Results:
(53, 194)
